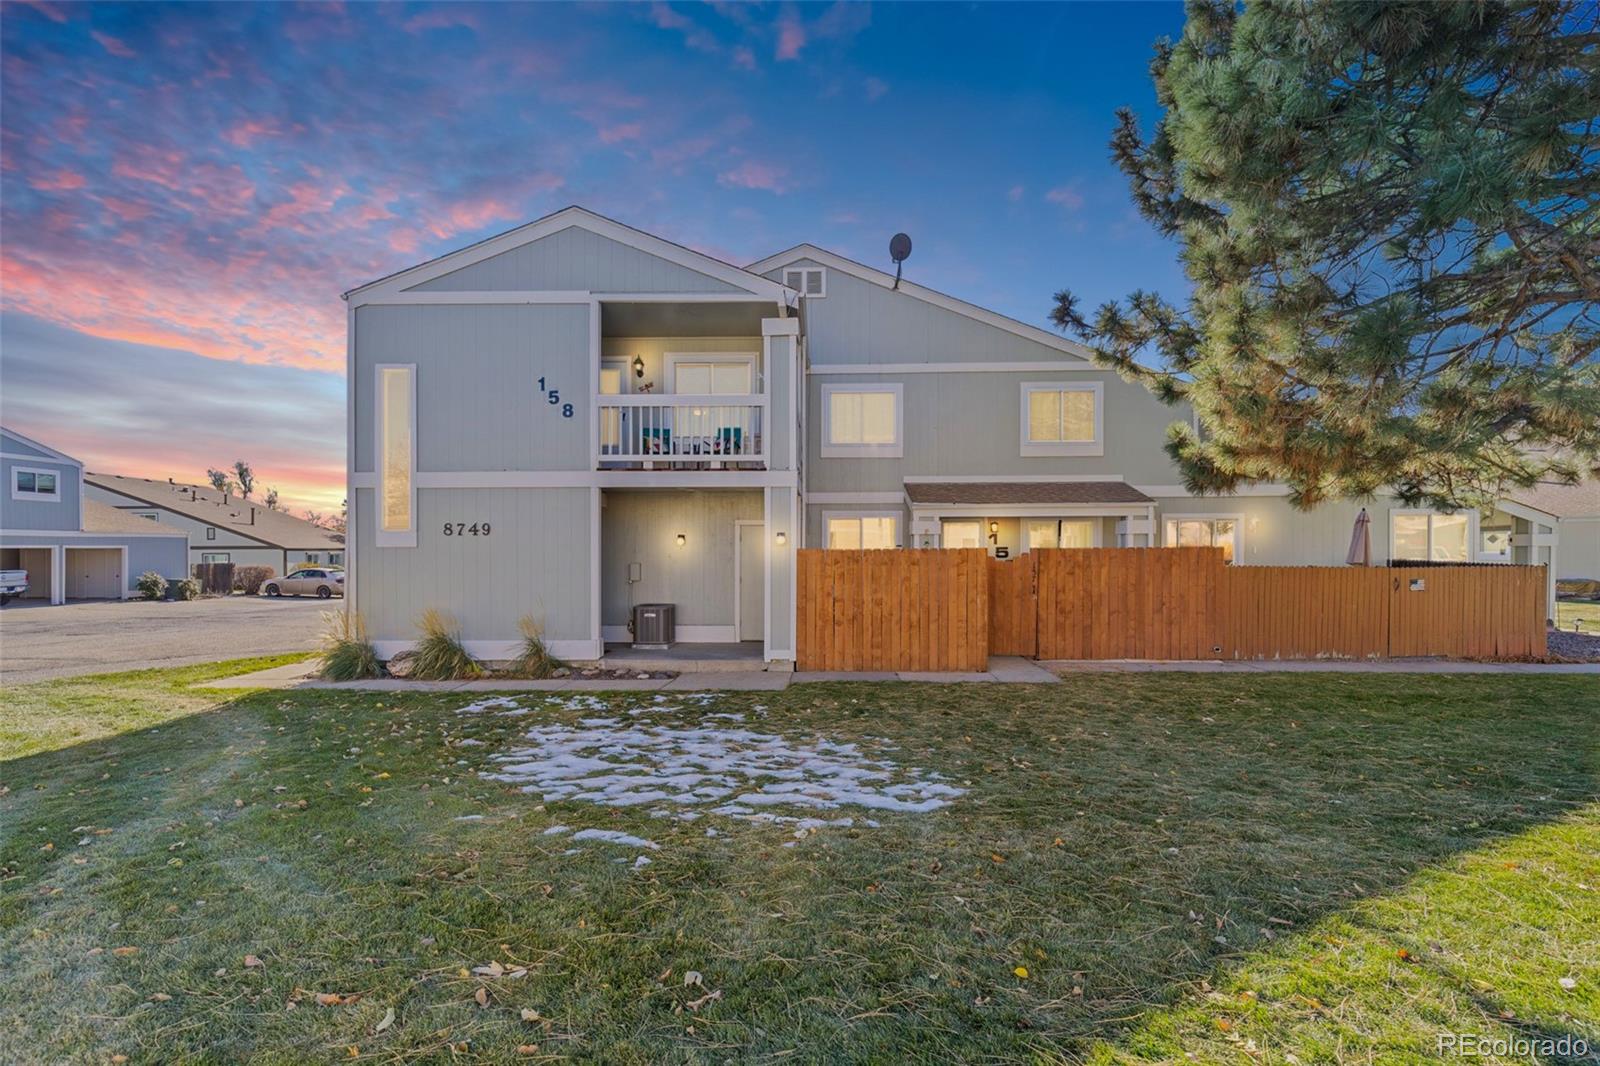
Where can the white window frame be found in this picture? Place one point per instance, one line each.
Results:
(893, 450)
(821, 273)
(37, 497)
(207, 557)
(896, 516)
(1096, 533)
(1097, 446)
(981, 523)
(1472, 530)
(1236, 519)
(392, 538)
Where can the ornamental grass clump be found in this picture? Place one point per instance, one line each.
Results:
(535, 660)
(439, 655)
(347, 654)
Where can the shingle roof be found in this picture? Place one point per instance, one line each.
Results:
(1564, 501)
(965, 493)
(278, 529)
(103, 518)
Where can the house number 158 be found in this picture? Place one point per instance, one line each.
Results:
(554, 396)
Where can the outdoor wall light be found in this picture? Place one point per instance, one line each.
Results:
(682, 540)
(781, 537)
(638, 366)
(994, 527)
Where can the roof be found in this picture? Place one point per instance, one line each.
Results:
(277, 529)
(835, 261)
(103, 518)
(527, 233)
(968, 493)
(1563, 501)
(49, 453)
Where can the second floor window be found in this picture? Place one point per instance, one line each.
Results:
(1062, 419)
(862, 420)
(29, 484)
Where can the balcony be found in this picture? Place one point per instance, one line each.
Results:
(681, 430)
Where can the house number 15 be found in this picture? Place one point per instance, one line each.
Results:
(554, 396)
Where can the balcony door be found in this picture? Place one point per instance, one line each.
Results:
(701, 429)
(612, 375)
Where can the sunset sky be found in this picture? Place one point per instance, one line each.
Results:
(185, 190)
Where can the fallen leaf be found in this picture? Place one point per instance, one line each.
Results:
(334, 999)
(385, 1022)
(527, 1049)
(354, 1051)
(1568, 983)
(1021, 971)
(529, 1014)
(251, 960)
(159, 997)
(692, 978)
(696, 1004)
(123, 953)
(482, 996)
(995, 856)
(1403, 955)
(494, 969)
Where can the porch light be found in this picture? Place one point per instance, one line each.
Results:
(638, 366)
(994, 527)
(682, 540)
(781, 537)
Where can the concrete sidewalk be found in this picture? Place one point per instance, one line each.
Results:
(1003, 669)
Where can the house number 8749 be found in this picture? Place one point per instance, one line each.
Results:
(461, 529)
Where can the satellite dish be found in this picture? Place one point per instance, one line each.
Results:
(899, 251)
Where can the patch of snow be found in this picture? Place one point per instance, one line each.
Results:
(726, 769)
(469, 817)
(556, 830)
(640, 860)
(493, 703)
(611, 836)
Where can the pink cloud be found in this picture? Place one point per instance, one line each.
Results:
(752, 174)
(444, 17)
(744, 58)
(627, 131)
(58, 181)
(666, 18)
(244, 134)
(791, 38)
(1015, 193)
(1066, 196)
(112, 44)
(49, 11)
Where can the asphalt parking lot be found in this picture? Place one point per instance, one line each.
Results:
(38, 642)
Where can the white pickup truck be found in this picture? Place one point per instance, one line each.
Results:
(12, 583)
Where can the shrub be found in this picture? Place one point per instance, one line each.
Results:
(151, 585)
(535, 660)
(439, 655)
(186, 589)
(347, 654)
(249, 579)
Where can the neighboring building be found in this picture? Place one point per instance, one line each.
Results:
(1575, 510)
(575, 417)
(222, 526)
(74, 548)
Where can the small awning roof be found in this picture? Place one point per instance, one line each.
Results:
(1011, 493)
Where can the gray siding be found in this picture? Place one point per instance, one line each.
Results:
(64, 513)
(642, 527)
(1578, 553)
(863, 322)
(478, 400)
(535, 561)
(575, 259)
(167, 556)
(11, 444)
(970, 424)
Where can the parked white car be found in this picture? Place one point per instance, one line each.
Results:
(12, 583)
(312, 580)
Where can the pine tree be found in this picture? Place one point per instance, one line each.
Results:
(1390, 216)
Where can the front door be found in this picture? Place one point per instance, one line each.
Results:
(752, 584)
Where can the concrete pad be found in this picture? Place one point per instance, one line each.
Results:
(1013, 669)
(744, 681)
(801, 677)
(935, 677)
(276, 677)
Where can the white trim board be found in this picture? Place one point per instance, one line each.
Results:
(83, 533)
(851, 498)
(986, 479)
(50, 454)
(972, 367)
(1179, 492)
(582, 479)
(920, 292)
(746, 281)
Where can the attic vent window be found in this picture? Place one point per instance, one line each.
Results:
(807, 281)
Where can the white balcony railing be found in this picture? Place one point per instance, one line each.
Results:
(683, 429)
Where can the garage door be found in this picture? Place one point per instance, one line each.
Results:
(94, 573)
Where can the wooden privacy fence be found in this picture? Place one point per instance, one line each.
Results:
(893, 610)
(948, 610)
(214, 578)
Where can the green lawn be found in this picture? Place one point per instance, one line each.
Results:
(1569, 612)
(1337, 868)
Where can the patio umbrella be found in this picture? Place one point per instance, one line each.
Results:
(1361, 541)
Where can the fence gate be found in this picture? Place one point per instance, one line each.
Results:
(1014, 605)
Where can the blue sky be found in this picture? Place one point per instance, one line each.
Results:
(188, 188)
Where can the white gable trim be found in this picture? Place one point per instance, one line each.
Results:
(927, 295)
(49, 452)
(567, 218)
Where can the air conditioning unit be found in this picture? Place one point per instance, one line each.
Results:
(654, 625)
